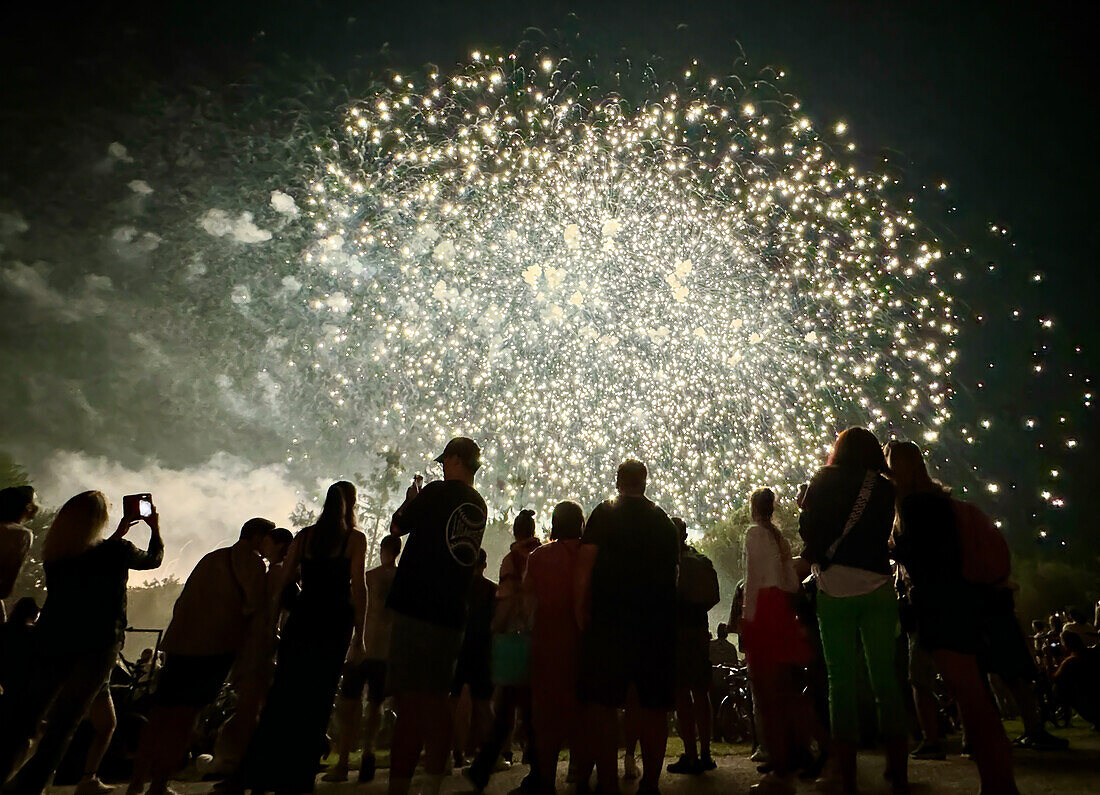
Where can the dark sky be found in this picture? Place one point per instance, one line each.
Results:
(992, 97)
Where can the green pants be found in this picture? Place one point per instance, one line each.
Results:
(844, 621)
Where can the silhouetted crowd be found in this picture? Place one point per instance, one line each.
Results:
(597, 633)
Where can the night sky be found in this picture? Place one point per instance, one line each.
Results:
(992, 98)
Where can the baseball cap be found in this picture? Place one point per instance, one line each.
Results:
(466, 449)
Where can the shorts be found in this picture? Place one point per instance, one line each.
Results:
(192, 680)
(369, 675)
(693, 657)
(614, 657)
(475, 671)
(423, 656)
(947, 617)
(1002, 648)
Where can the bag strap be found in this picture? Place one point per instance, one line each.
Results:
(857, 510)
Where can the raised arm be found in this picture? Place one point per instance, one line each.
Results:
(149, 558)
(404, 518)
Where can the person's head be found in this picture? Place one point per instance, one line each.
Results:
(24, 612)
(907, 469)
(17, 504)
(388, 549)
(723, 631)
(146, 655)
(338, 510)
(482, 561)
(276, 545)
(859, 449)
(1075, 615)
(76, 527)
(1073, 643)
(567, 521)
(524, 525)
(630, 478)
(1038, 626)
(255, 531)
(681, 529)
(1056, 622)
(762, 505)
(461, 459)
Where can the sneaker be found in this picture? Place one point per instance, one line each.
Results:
(684, 766)
(366, 769)
(336, 773)
(92, 786)
(1042, 741)
(927, 750)
(759, 755)
(706, 763)
(772, 784)
(630, 769)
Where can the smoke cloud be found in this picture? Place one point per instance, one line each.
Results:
(201, 507)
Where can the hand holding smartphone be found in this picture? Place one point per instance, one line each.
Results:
(137, 506)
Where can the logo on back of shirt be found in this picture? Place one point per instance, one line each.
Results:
(465, 527)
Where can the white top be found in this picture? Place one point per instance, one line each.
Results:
(766, 566)
(843, 581)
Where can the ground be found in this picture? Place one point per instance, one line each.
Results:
(1038, 773)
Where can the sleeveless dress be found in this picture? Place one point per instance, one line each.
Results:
(285, 752)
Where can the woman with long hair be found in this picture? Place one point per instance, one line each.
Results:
(774, 642)
(328, 559)
(847, 516)
(945, 607)
(78, 635)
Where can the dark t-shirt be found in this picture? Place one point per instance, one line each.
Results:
(445, 523)
(85, 606)
(634, 576)
(825, 511)
(477, 643)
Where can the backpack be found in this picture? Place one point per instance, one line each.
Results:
(982, 546)
(698, 584)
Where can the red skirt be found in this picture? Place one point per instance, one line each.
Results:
(774, 636)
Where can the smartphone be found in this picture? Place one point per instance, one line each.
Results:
(137, 506)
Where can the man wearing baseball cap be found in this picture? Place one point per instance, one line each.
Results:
(444, 523)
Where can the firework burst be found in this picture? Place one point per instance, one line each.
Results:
(701, 278)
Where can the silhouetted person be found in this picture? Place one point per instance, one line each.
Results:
(445, 522)
(513, 617)
(551, 582)
(17, 506)
(775, 645)
(78, 635)
(369, 673)
(627, 587)
(210, 623)
(722, 651)
(696, 594)
(946, 607)
(847, 515)
(1079, 625)
(254, 666)
(329, 558)
(473, 671)
(1077, 680)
